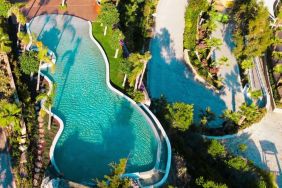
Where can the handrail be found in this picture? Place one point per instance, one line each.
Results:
(168, 163)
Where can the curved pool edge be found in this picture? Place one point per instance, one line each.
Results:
(149, 120)
(59, 120)
(162, 181)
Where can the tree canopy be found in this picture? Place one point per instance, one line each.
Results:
(9, 114)
(109, 14)
(252, 33)
(216, 149)
(115, 180)
(29, 62)
(4, 42)
(182, 115)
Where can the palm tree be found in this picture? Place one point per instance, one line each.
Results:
(109, 15)
(43, 57)
(117, 36)
(15, 10)
(24, 38)
(135, 74)
(10, 115)
(139, 64)
(49, 100)
(278, 68)
(213, 44)
(125, 68)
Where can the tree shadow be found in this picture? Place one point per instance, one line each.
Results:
(69, 58)
(92, 153)
(228, 36)
(269, 151)
(170, 77)
(232, 84)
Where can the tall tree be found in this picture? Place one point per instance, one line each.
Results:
(29, 63)
(43, 57)
(139, 63)
(48, 101)
(4, 8)
(4, 43)
(115, 180)
(117, 36)
(182, 115)
(252, 33)
(247, 64)
(125, 68)
(24, 38)
(109, 15)
(15, 10)
(278, 69)
(213, 44)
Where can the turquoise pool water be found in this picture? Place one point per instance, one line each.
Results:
(100, 126)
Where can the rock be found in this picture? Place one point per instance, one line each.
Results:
(39, 158)
(35, 183)
(40, 119)
(37, 170)
(36, 176)
(39, 152)
(23, 158)
(41, 141)
(41, 131)
(39, 164)
(23, 148)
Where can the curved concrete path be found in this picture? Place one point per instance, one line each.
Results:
(167, 73)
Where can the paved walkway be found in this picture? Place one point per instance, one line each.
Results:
(170, 19)
(264, 141)
(86, 9)
(232, 93)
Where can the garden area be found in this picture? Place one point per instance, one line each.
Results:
(127, 60)
(198, 162)
(274, 57)
(20, 117)
(200, 21)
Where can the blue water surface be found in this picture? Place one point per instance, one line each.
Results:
(100, 126)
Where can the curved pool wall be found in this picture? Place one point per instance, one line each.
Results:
(152, 138)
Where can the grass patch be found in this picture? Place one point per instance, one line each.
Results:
(116, 75)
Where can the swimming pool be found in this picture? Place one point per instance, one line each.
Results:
(100, 126)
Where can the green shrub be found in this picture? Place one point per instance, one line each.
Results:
(216, 149)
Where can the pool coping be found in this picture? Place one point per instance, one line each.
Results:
(149, 120)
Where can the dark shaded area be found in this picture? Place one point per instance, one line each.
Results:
(132, 29)
(170, 77)
(93, 158)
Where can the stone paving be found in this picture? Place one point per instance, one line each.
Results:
(233, 91)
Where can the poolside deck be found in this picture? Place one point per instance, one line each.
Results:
(86, 9)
